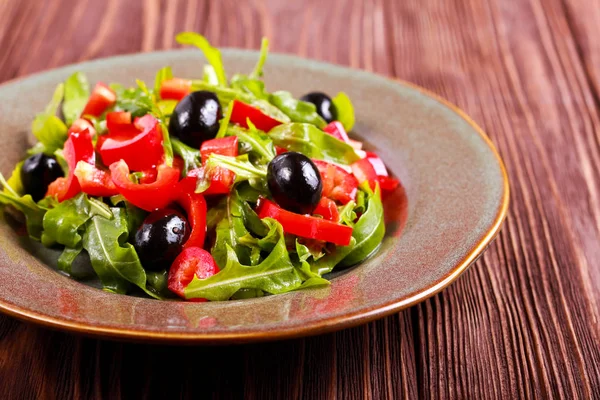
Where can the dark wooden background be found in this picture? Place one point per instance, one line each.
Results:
(522, 323)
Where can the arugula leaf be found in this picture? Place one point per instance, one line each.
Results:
(243, 294)
(115, 261)
(14, 184)
(134, 100)
(49, 130)
(212, 54)
(225, 94)
(34, 214)
(311, 278)
(297, 110)
(251, 86)
(326, 264)
(162, 75)
(210, 75)
(345, 110)
(275, 274)
(157, 283)
(244, 170)
(264, 51)
(347, 214)
(258, 143)
(67, 257)
(64, 223)
(271, 110)
(224, 123)
(229, 231)
(368, 230)
(313, 143)
(190, 156)
(77, 93)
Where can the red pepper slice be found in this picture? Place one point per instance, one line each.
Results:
(141, 152)
(149, 196)
(78, 147)
(94, 181)
(338, 184)
(387, 183)
(241, 111)
(191, 261)
(280, 150)
(80, 124)
(336, 129)
(377, 164)
(101, 99)
(222, 178)
(195, 208)
(118, 120)
(305, 225)
(363, 171)
(175, 89)
(327, 209)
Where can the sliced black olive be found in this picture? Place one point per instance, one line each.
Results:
(196, 118)
(325, 107)
(295, 182)
(37, 173)
(160, 239)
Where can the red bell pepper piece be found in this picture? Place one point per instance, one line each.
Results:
(78, 147)
(149, 196)
(363, 171)
(377, 164)
(222, 179)
(94, 181)
(118, 120)
(387, 183)
(141, 152)
(280, 150)
(305, 225)
(242, 111)
(336, 129)
(175, 88)
(101, 99)
(191, 261)
(195, 208)
(80, 124)
(327, 209)
(338, 184)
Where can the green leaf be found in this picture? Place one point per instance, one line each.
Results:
(368, 231)
(134, 100)
(256, 142)
(270, 110)
(251, 86)
(313, 143)
(224, 123)
(297, 110)
(77, 93)
(48, 128)
(190, 156)
(229, 231)
(247, 294)
(210, 75)
(64, 224)
(264, 51)
(225, 94)
(244, 170)
(114, 259)
(157, 283)
(347, 214)
(326, 264)
(67, 257)
(14, 185)
(212, 54)
(162, 75)
(345, 110)
(34, 213)
(275, 274)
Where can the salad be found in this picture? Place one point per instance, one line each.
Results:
(204, 189)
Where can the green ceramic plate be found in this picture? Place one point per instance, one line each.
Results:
(453, 201)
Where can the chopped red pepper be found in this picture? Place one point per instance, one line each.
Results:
(118, 120)
(175, 88)
(377, 164)
(149, 196)
(327, 209)
(280, 150)
(94, 181)
(80, 124)
(387, 183)
(141, 152)
(338, 184)
(242, 111)
(195, 208)
(78, 147)
(336, 129)
(191, 261)
(222, 179)
(101, 99)
(363, 171)
(305, 225)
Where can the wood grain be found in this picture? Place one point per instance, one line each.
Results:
(522, 323)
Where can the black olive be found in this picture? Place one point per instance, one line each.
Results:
(325, 107)
(196, 118)
(160, 239)
(295, 182)
(37, 173)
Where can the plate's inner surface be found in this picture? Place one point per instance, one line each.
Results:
(451, 178)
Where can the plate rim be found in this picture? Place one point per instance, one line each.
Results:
(348, 320)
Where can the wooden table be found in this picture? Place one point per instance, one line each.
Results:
(523, 322)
